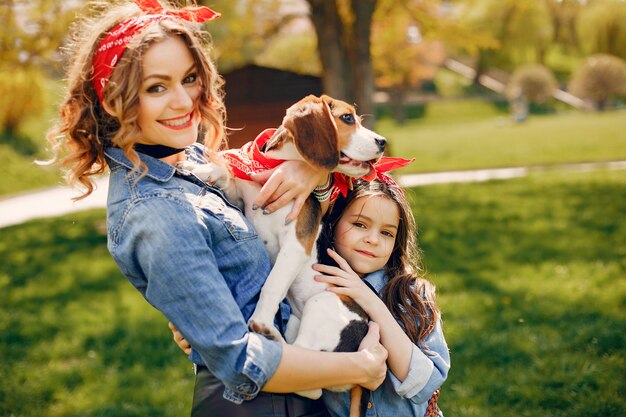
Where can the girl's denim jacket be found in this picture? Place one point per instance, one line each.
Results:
(427, 371)
(198, 260)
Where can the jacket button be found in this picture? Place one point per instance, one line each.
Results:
(369, 405)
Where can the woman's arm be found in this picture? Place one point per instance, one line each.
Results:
(308, 369)
(302, 369)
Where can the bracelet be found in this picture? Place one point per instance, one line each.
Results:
(323, 192)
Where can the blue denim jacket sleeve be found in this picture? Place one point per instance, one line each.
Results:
(199, 262)
(427, 370)
(186, 286)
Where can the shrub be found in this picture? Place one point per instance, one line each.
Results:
(22, 96)
(535, 83)
(600, 78)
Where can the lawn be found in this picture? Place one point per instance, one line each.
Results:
(531, 279)
(469, 134)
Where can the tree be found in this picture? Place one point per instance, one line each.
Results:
(535, 83)
(343, 29)
(522, 30)
(602, 28)
(600, 78)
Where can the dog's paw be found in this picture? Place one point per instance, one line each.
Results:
(268, 331)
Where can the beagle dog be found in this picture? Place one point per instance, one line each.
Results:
(327, 134)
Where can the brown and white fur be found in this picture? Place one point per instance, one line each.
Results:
(327, 134)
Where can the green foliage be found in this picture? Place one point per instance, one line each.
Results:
(601, 28)
(530, 276)
(296, 53)
(522, 29)
(600, 78)
(22, 96)
(535, 83)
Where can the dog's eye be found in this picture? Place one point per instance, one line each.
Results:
(347, 118)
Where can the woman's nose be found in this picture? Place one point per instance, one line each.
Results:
(181, 98)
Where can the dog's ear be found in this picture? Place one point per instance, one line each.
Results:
(312, 126)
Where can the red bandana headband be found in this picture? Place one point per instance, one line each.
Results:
(116, 40)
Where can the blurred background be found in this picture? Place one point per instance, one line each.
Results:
(531, 271)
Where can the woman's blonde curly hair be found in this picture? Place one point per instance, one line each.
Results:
(85, 129)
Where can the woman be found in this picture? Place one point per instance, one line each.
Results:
(141, 89)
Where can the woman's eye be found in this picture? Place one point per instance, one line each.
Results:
(155, 89)
(347, 118)
(190, 79)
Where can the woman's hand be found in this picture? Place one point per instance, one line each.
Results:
(179, 339)
(375, 357)
(344, 281)
(291, 180)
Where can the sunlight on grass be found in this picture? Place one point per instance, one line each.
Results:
(494, 141)
(530, 275)
(531, 282)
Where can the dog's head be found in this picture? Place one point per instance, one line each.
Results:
(328, 134)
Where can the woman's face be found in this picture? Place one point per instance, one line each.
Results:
(168, 97)
(365, 233)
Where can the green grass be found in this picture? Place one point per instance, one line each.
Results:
(531, 279)
(470, 135)
(532, 282)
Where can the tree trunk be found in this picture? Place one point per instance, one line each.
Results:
(331, 47)
(360, 59)
(345, 52)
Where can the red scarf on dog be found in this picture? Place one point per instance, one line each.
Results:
(249, 159)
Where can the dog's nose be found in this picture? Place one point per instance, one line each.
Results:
(381, 142)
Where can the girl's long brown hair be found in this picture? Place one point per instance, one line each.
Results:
(84, 129)
(407, 294)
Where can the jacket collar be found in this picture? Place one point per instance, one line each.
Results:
(376, 280)
(157, 170)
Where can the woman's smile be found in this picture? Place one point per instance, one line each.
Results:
(178, 123)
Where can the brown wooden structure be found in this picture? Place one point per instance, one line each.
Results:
(257, 97)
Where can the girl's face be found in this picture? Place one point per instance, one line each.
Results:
(168, 111)
(365, 233)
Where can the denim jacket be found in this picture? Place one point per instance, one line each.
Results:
(198, 260)
(427, 372)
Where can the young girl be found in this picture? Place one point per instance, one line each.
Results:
(141, 90)
(372, 236)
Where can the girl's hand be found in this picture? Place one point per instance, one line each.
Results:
(344, 281)
(179, 339)
(291, 180)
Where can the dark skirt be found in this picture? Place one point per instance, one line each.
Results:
(209, 402)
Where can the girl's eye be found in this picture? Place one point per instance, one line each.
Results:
(388, 234)
(190, 79)
(155, 89)
(359, 225)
